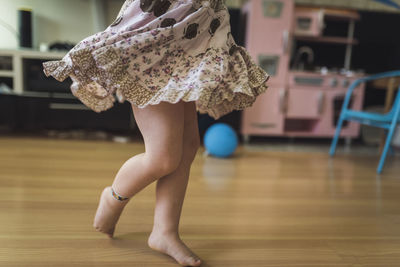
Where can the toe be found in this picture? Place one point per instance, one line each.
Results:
(196, 262)
(190, 261)
(111, 233)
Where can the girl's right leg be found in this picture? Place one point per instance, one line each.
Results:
(162, 129)
(170, 195)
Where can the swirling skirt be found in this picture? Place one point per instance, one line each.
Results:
(163, 50)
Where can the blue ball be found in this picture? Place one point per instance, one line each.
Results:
(220, 140)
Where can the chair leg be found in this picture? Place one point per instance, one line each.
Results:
(387, 145)
(336, 137)
(384, 153)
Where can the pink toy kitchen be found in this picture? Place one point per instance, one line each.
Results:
(306, 88)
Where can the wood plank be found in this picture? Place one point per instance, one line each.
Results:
(260, 208)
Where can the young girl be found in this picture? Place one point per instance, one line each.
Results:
(167, 58)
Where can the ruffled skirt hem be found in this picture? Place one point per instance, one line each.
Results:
(102, 78)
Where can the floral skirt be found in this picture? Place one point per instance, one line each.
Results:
(163, 50)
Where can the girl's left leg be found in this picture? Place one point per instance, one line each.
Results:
(170, 194)
(162, 130)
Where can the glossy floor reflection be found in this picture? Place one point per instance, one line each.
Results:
(260, 208)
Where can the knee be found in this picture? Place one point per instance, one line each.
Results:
(170, 164)
(165, 163)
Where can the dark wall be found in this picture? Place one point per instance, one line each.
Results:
(379, 48)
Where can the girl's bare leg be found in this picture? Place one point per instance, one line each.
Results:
(170, 194)
(162, 129)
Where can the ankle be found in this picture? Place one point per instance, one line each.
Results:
(113, 200)
(118, 196)
(159, 240)
(158, 231)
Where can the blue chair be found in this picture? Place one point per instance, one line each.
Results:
(386, 121)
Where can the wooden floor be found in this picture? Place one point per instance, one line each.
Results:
(258, 209)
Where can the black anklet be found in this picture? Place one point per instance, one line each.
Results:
(118, 197)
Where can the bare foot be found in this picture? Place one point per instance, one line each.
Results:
(108, 213)
(172, 245)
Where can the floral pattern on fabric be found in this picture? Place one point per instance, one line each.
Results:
(157, 51)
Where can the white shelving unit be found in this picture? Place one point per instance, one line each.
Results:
(32, 108)
(17, 60)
